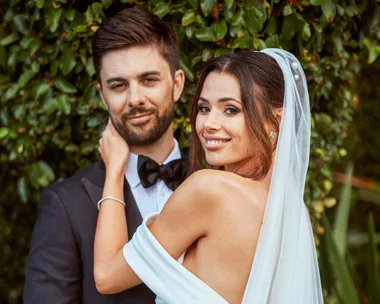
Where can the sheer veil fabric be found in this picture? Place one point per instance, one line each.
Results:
(285, 268)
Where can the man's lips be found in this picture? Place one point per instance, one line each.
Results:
(139, 119)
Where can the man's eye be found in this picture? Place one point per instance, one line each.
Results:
(117, 86)
(150, 80)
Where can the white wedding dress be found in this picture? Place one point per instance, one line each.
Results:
(285, 267)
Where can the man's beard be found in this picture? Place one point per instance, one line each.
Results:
(150, 135)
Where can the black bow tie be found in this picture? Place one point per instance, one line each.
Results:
(173, 173)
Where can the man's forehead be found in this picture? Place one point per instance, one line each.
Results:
(133, 62)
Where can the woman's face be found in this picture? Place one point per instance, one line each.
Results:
(220, 123)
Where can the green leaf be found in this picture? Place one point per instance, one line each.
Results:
(39, 89)
(97, 8)
(188, 18)
(185, 65)
(90, 68)
(228, 3)
(317, 2)
(161, 10)
(373, 263)
(205, 34)
(271, 29)
(69, 14)
(238, 19)
(338, 265)
(94, 122)
(25, 78)
(288, 28)
(329, 10)
(67, 62)
(306, 32)
(287, 10)
(255, 19)
(23, 190)
(12, 91)
(372, 55)
(46, 170)
(194, 4)
(107, 3)
(20, 24)
(64, 86)
(200, 21)
(49, 105)
(220, 29)
(11, 38)
(343, 212)
(189, 30)
(3, 132)
(19, 112)
(206, 6)
(81, 28)
(206, 55)
(52, 19)
(40, 3)
(64, 104)
(272, 42)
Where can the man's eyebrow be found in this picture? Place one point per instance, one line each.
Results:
(224, 99)
(142, 75)
(113, 79)
(149, 73)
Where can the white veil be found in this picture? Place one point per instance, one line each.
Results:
(285, 268)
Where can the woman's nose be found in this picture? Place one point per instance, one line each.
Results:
(211, 122)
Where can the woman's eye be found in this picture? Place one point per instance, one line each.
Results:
(203, 109)
(231, 111)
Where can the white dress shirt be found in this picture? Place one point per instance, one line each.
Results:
(151, 199)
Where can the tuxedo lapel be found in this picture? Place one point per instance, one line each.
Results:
(94, 189)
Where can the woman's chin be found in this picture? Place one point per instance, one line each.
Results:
(215, 162)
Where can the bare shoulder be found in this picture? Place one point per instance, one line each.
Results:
(215, 184)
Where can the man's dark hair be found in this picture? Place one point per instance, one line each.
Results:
(135, 27)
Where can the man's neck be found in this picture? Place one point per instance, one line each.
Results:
(159, 150)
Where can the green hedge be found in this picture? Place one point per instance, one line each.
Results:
(51, 115)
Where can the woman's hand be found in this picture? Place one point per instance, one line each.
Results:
(113, 149)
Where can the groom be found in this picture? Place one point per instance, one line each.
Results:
(136, 57)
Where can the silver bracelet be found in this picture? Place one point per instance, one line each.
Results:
(110, 198)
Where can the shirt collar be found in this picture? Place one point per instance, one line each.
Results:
(131, 173)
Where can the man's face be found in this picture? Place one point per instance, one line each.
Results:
(139, 93)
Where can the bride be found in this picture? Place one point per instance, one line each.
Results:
(241, 235)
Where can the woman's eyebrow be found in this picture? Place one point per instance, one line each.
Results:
(224, 99)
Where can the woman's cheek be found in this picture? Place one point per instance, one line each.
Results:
(198, 124)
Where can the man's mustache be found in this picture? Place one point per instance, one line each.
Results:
(135, 111)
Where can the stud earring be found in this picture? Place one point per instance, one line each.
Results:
(272, 134)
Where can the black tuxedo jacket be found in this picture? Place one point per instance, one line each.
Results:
(59, 268)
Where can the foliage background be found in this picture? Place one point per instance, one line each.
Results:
(51, 115)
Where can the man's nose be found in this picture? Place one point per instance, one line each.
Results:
(135, 95)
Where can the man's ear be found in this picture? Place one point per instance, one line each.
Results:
(99, 87)
(179, 82)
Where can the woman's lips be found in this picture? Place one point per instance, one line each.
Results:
(140, 119)
(215, 144)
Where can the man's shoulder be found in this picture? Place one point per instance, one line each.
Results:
(94, 172)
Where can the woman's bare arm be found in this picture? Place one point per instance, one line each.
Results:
(184, 219)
